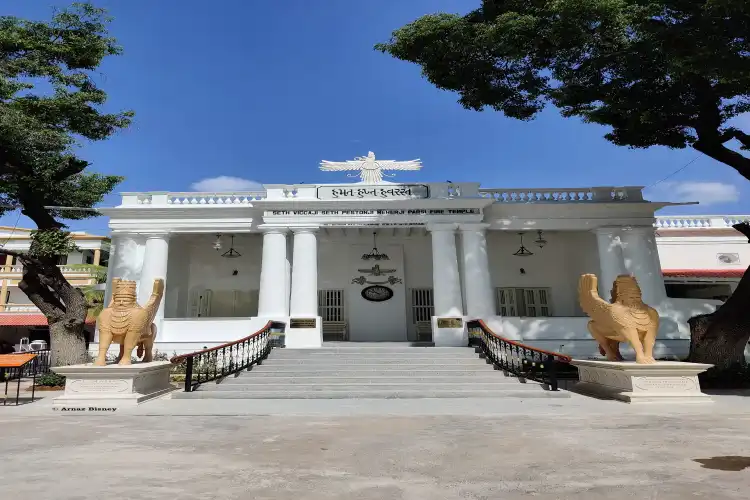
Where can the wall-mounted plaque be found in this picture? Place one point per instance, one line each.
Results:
(450, 323)
(374, 192)
(377, 293)
(303, 322)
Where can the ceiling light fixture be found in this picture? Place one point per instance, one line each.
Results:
(523, 251)
(375, 254)
(231, 253)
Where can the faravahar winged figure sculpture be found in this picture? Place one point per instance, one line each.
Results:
(370, 169)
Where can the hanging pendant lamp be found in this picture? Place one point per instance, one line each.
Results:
(523, 251)
(540, 241)
(375, 254)
(231, 253)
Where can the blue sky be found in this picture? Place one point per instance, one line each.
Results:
(263, 90)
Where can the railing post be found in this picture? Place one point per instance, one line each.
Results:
(189, 374)
(552, 370)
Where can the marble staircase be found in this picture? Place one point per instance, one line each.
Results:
(389, 371)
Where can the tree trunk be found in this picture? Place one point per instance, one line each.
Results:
(68, 345)
(720, 338)
(63, 305)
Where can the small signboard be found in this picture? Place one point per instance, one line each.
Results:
(303, 322)
(374, 192)
(450, 323)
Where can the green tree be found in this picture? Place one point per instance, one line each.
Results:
(49, 103)
(656, 72)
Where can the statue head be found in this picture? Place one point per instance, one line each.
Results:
(625, 290)
(124, 293)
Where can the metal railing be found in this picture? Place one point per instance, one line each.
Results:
(39, 366)
(522, 360)
(218, 362)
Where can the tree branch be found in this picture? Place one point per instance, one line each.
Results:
(41, 296)
(716, 150)
(744, 228)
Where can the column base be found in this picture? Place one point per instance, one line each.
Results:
(662, 382)
(449, 331)
(300, 334)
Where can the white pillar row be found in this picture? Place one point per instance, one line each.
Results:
(642, 261)
(304, 300)
(477, 284)
(445, 279)
(273, 289)
(155, 261)
(611, 260)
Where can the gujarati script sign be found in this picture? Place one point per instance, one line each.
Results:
(387, 192)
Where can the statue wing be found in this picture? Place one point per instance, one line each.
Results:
(588, 295)
(340, 165)
(400, 165)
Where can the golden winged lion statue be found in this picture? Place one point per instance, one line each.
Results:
(127, 323)
(625, 319)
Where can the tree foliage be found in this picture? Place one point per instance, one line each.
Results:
(49, 104)
(658, 72)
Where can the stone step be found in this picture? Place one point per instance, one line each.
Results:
(365, 393)
(352, 371)
(374, 362)
(323, 353)
(387, 378)
(345, 386)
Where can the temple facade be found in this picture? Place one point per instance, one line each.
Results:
(377, 261)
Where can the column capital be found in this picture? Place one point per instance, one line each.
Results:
(473, 226)
(157, 236)
(611, 230)
(639, 229)
(444, 226)
(274, 230)
(305, 229)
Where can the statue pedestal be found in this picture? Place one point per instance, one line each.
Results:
(113, 385)
(662, 382)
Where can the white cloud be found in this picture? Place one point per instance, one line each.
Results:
(225, 183)
(707, 193)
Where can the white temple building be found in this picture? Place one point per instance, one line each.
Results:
(380, 261)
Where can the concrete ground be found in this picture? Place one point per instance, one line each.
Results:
(364, 449)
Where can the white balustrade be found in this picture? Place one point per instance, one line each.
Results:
(20, 308)
(14, 269)
(65, 269)
(699, 221)
(564, 195)
(244, 198)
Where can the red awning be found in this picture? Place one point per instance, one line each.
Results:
(703, 273)
(23, 319)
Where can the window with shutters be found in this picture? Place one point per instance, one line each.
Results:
(422, 305)
(331, 305)
(529, 302)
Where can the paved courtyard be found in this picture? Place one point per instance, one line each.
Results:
(419, 449)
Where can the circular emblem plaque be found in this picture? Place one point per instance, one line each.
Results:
(377, 293)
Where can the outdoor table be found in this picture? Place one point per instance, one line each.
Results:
(17, 362)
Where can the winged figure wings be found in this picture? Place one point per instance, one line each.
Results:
(370, 169)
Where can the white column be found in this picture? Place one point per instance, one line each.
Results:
(611, 261)
(477, 285)
(304, 300)
(154, 267)
(116, 242)
(271, 300)
(445, 281)
(642, 261)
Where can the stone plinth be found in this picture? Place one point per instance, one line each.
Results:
(113, 385)
(662, 382)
